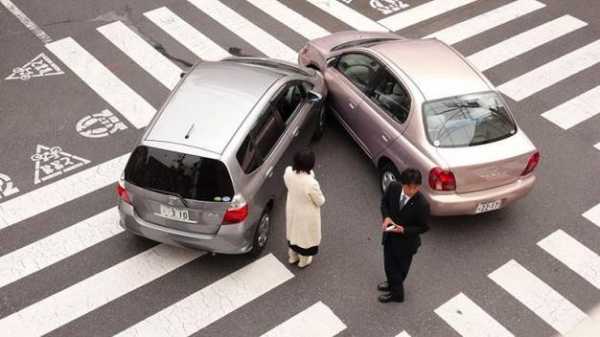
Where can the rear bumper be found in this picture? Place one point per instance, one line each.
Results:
(466, 203)
(230, 239)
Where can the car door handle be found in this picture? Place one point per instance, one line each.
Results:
(385, 138)
(351, 105)
(296, 132)
(269, 172)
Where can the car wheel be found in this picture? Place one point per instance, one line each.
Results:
(322, 122)
(262, 234)
(388, 174)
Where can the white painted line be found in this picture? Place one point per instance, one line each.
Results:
(58, 246)
(422, 12)
(574, 255)
(575, 110)
(403, 334)
(215, 301)
(524, 42)
(290, 18)
(62, 191)
(486, 21)
(469, 320)
(538, 296)
(552, 72)
(316, 321)
(348, 15)
(96, 291)
(597, 146)
(114, 91)
(35, 29)
(140, 51)
(593, 214)
(247, 30)
(187, 35)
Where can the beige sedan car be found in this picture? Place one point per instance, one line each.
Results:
(419, 103)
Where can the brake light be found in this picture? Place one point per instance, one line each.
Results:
(532, 163)
(122, 192)
(237, 212)
(442, 180)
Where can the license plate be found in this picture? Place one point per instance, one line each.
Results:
(174, 213)
(488, 206)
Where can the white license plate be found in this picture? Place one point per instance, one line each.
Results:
(174, 213)
(488, 206)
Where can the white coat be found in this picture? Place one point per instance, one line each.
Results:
(303, 208)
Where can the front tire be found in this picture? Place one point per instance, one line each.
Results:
(388, 174)
(262, 234)
(321, 123)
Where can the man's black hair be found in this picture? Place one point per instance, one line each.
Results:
(410, 176)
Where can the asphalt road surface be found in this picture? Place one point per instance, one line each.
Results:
(67, 269)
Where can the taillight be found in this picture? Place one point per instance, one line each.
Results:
(532, 163)
(442, 180)
(238, 211)
(122, 192)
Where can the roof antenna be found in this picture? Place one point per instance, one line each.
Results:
(187, 135)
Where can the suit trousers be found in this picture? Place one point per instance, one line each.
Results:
(396, 264)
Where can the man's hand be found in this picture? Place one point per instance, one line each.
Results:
(386, 223)
(398, 229)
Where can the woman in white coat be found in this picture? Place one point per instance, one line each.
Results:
(303, 209)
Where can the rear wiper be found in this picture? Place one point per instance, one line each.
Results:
(157, 190)
(456, 106)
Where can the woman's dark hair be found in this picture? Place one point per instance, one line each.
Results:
(410, 176)
(304, 161)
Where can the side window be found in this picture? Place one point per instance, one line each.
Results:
(261, 140)
(392, 97)
(289, 101)
(359, 68)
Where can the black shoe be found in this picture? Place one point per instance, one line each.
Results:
(383, 286)
(386, 298)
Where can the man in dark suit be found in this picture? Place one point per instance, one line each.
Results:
(405, 215)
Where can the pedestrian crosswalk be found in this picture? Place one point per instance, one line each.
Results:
(209, 304)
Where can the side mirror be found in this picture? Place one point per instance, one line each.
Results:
(314, 96)
(182, 74)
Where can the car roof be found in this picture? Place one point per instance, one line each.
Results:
(434, 67)
(211, 103)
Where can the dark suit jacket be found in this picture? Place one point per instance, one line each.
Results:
(413, 217)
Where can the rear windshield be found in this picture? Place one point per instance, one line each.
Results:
(180, 174)
(467, 120)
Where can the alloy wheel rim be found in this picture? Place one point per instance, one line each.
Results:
(387, 178)
(263, 231)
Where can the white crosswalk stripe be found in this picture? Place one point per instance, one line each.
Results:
(58, 246)
(108, 86)
(552, 72)
(597, 146)
(422, 12)
(593, 215)
(60, 192)
(469, 320)
(484, 22)
(538, 296)
(142, 53)
(574, 255)
(245, 29)
(348, 15)
(575, 110)
(524, 42)
(316, 321)
(214, 301)
(403, 334)
(186, 34)
(290, 18)
(96, 291)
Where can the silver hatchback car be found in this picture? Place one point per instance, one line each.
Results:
(208, 170)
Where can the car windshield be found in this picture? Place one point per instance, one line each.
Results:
(467, 120)
(179, 174)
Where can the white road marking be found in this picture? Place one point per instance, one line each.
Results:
(552, 72)
(290, 18)
(574, 255)
(486, 21)
(215, 301)
(469, 320)
(575, 110)
(316, 321)
(403, 334)
(40, 66)
(538, 296)
(593, 214)
(58, 246)
(7, 187)
(348, 15)
(96, 291)
(140, 51)
(597, 146)
(99, 125)
(186, 34)
(52, 162)
(247, 30)
(114, 91)
(422, 12)
(524, 42)
(62, 191)
(35, 29)
(388, 7)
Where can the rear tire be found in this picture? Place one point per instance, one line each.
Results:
(262, 233)
(321, 123)
(388, 174)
